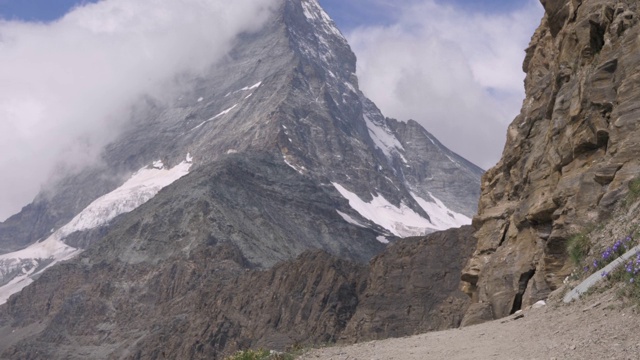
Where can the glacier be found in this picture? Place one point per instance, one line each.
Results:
(403, 221)
(18, 268)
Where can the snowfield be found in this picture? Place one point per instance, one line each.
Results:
(403, 221)
(384, 139)
(18, 268)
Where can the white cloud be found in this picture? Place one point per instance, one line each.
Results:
(456, 72)
(66, 87)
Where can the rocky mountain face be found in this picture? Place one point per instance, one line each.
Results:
(569, 157)
(209, 303)
(192, 236)
(285, 95)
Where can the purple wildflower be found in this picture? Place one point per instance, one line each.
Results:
(604, 273)
(617, 245)
(586, 268)
(629, 267)
(595, 264)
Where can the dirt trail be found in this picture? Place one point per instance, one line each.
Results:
(598, 327)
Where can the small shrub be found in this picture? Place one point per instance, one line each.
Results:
(250, 355)
(259, 355)
(634, 189)
(578, 247)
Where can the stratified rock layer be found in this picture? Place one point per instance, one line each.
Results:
(206, 303)
(569, 155)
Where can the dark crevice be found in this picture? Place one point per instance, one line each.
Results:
(610, 66)
(504, 234)
(597, 32)
(602, 139)
(531, 125)
(574, 16)
(522, 287)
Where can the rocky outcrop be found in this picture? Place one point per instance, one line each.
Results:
(569, 154)
(433, 170)
(287, 91)
(208, 303)
(413, 287)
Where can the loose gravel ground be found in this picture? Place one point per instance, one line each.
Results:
(601, 326)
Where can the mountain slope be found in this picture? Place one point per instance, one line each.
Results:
(205, 304)
(288, 90)
(275, 153)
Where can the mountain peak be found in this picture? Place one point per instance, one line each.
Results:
(273, 152)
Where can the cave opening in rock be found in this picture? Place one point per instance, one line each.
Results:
(522, 287)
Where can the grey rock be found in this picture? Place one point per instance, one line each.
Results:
(206, 266)
(206, 303)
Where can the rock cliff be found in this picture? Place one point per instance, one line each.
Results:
(209, 302)
(569, 155)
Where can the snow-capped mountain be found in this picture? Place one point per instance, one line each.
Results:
(285, 155)
(19, 268)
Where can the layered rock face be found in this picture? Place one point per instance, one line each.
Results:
(569, 154)
(207, 304)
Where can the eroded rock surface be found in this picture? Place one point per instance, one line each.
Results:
(208, 302)
(569, 155)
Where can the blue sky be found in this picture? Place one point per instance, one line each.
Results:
(35, 10)
(346, 13)
(65, 86)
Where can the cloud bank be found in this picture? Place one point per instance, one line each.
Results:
(67, 87)
(456, 72)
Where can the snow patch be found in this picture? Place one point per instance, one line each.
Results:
(401, 221)
(200, 99)
(430, 139)
(441, 216)
(140, 188)
(314, 12)
(299, 169)
(453, 161)
(254, 86)
(382, 239)
(224, 112)
(158, 164)
(349, 219)
(383, 138)
(351, 87)
(246, 88)
(33, 260)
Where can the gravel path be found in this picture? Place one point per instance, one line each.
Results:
(599, 327)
